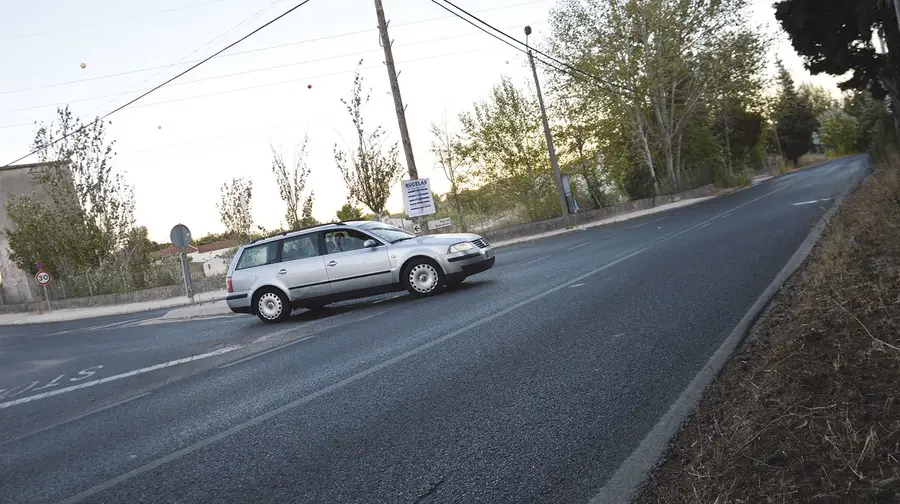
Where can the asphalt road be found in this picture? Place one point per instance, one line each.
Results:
(531, 382)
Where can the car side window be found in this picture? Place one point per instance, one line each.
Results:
(299, 247)
(344, 240)
(258, 255)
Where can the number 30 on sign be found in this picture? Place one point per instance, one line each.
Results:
(42, 277)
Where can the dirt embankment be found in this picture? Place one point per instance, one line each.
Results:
(810, 410)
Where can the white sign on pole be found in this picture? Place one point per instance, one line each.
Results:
(440, 223)
(417, 199)
(42, 277)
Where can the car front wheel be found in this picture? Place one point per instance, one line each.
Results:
(272, 306)
(423, 278)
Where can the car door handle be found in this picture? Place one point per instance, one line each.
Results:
(282, 272)
(332, 263)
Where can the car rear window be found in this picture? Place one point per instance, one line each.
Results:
(300, 247)
(258, 255)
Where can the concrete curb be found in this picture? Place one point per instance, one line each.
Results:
(214, 308)
(632, 473)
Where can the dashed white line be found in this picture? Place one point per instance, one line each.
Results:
(579, 246)
(536, 260)
(725, 216)
(575, 285)
(120, 376)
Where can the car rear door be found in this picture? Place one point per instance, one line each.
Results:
(302, 267)
(350, 265)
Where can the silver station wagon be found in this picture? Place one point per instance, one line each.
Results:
(313, 267)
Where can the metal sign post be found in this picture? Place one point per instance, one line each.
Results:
(43, 278)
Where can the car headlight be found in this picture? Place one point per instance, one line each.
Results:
(461, 247)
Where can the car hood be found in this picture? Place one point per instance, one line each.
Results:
(441, 239)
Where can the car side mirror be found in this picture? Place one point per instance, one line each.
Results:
(370, 243)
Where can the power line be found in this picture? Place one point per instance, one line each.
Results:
(248, 51)
(210, 42)
(220, 51)
(235, 74)
(494, 31)
(109, 21)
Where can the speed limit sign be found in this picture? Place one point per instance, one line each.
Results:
(42, 277)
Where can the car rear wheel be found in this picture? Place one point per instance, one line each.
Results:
(423, 278)
(272, 306)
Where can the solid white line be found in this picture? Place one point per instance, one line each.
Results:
(245, 359)
(119, 376)
(579, 246)
(536, 260)
(363, 374)
(805, 203)
(79, 417)
(726, 216)
(575, 285)
(639, 225)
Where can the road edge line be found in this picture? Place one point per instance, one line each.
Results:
(632, 473)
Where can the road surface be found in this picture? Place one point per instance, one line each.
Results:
(532, 382)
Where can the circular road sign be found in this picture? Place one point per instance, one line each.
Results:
(180, 236)
(42, 277)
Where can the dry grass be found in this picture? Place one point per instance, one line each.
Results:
(810, 411)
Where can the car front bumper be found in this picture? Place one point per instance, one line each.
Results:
(469, 262)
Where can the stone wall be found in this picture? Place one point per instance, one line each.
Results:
(168, 292)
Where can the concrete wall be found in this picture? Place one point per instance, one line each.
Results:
(168, 292)
(17, 180)
(533, 228)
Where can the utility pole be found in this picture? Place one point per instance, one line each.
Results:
(563, 205)
(395, 91)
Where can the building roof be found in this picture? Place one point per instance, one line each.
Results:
(209, 247)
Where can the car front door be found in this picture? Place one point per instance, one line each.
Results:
(350, 265)
(302, 267)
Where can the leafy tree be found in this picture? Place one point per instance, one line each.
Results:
(839, 131)
(740, 132)
(449, 152)
(661, 60)
(819, 98)
(307, 219)
(235, 209)
(291, 183)
(836, 37)
(795, 121)
(348, 213)
(368, 171)
(869, 114)
(503, 137)
(87, 208)
(138, 260)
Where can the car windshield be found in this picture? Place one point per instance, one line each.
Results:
(390, 234)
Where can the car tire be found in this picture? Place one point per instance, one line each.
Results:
(423, 277)
(272, 306)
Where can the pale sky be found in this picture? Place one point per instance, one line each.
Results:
(178, 145)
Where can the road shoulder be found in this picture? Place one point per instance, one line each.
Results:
(806, 411)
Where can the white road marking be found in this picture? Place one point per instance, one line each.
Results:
(579, 246)
(618, 335)
(149, 466)
(810, 202)
(260, 354)
(639, 225)
(79, 417)
(661, 218)
(536, 260)
(119, 376)
(726, 216)
(575, 285)
(704, 225)
(115, 325)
